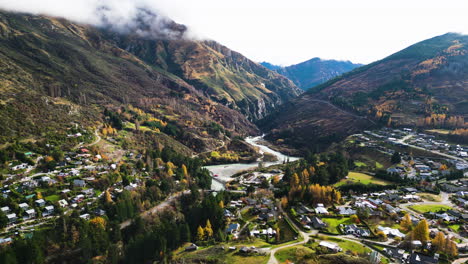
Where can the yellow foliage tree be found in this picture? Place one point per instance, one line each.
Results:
(406, 223)
(421, 231)
(185, 171)
(208, 229)
(98, 222)
(200, 233)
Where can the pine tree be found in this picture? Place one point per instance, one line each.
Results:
(208, 229)
(200, 234)
(421, 231)
(439, 242)
(406, 223)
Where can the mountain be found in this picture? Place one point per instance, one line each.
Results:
(312, 72)
(223, 75)
(54, 72)
(424, 85)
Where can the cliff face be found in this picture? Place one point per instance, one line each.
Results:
(223, 75)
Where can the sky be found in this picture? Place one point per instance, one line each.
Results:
(287, 32)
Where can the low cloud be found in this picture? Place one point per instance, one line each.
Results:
(141, 17)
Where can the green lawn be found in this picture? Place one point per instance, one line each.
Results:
(212, 254)
(349, 246)
(292, 253)
(354, 177)
(286, 232)
(359, 164)
(378, 165)
(454, 227)
(333, 223)
(52, 198)
(426, 208)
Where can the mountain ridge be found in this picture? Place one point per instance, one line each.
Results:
(54, 72)
(313, 72)
(424, 85)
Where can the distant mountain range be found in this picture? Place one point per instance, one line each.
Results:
(312, 72)
(424, 85)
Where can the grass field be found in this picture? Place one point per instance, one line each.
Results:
(349, 246)
(430, 197)
(52, 198)
(292, 253)
(354, 177)
(215, 253)
(333, 223)
(454, 227)
(426, 208)
(359, 164)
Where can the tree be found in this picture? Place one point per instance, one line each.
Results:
(355, 219)
(108, 196)
(381, 236)
(208, 229)
(184, 170)
(439, 242)
(221, 204)
(421, 231)
(200, 234)
(3, 220)
(406, 223)
(396, 158)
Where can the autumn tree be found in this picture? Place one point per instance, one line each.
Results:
(208, 229)
(421, 231)
(406, 223)
(200, 233)
(439, 242)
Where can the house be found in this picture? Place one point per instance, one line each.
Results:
(192, 247)
(416, 244)
(395, 253)
(5, 209)
(232, 228)
(317, 223)
(79, 183)
(63, 203)
(30, 214)
(23, 206)
(11, 218)
(320, 209)
(331, 246)
(40, 202)
(418, 258)
(5, 241)
(48, 210)
(305, 220)
(391, 232)
(99, 212)
(375, 257)
(346, 211)
(355, 230)
(85, 216)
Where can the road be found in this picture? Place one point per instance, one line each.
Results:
(428, 150)
(306, 236)
(164, 204)
(460, 261)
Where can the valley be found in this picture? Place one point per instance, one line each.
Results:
(141, 143)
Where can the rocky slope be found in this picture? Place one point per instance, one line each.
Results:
(53, 72)
(313, 72)
(424, 85)
(223, 75)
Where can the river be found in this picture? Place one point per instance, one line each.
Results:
(225, 171)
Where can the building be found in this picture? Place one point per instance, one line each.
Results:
(79, 183)
(11, 218)
(23, 206)
(40, 202)
(330, 246)
(418, 258)
(232, 228)
(317, 223)
(30, 214)
(48, 210)
(355, 230)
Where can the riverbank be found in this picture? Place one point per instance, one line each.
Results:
(224, 172)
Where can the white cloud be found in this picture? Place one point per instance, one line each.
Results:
(286, 32)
